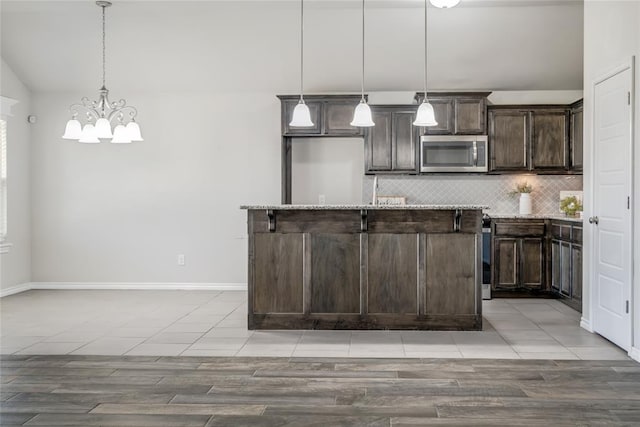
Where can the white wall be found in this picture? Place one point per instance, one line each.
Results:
(122, 213)
(611, 37)
(332, 167)
(15, 267)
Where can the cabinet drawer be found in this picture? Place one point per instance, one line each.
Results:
(576, 236)
(518, 229)
(560, 231)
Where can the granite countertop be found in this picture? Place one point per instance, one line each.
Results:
(368, 207)
(558, 216)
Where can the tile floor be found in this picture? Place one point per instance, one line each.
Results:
(210, 323)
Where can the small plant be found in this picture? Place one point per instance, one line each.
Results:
(522, 187)
(570, 205)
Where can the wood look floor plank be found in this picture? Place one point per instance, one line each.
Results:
(198, 391)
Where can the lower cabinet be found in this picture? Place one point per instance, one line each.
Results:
(518, 255)
(566, 262)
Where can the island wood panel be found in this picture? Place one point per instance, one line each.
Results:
(392, 273)
(335, 273)
(532, 263)
(421, 221)
(277, 273)
(506, 251)
(306, 221)
(451, 274)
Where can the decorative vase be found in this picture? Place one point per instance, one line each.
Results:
(525, 204)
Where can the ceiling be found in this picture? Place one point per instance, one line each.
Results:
(236, 46)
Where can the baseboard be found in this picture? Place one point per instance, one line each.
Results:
(125, 286)
(635, 354)
(586, 324)
(12, 290)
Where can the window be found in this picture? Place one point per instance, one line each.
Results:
(3, 180)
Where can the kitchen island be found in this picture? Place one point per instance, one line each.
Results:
(364, 267)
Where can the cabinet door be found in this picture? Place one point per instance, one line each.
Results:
(508, 140)
(556, 266)
(470, 116)
(315, 109)
(549, 142)
(337, 119)
(565, 254)
(532, 263)
(443, 110)
(506, 263)
(278, 262)
(576, 273)
(378, 143)
(576, 139)
(404, 142)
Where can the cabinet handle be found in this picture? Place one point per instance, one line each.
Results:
(272, 220)
(475, 153)
(457, 220)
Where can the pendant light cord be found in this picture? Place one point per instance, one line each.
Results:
(425, 51)
(301, 47)
(104, 48)
(362, 79)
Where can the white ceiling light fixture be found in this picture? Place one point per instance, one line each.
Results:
(425, 115)
(100, 113)
(301, 115)
(362, 113)
(444, 4)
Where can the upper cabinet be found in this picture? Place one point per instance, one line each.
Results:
(391, 145)
(529, 139)
(330, 114)
(576, 136)
(457, 113)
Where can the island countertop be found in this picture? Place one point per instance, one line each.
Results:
(363, 206)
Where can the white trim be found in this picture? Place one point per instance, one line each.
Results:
(5, 106)
(11, 290)
(586, 324)
(5, 247)
(125, 286)
(634, 353)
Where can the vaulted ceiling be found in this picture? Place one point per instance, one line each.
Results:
(231, 46)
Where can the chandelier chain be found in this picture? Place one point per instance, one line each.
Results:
(425, 51)
(301, 46)
(104, 48)
(362, 79)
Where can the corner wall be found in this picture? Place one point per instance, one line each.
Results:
(15, 266)
(611, 37)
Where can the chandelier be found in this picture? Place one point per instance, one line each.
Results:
(101, 114)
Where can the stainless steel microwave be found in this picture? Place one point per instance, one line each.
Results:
(453, 153)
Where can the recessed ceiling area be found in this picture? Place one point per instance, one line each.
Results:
(232, 46)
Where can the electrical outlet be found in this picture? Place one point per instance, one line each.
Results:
(181, 259)
(322, 199)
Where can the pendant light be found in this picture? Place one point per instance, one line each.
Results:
(301, 115)
(100, 114)
(362, 113)
(425, 115)
(444, 4)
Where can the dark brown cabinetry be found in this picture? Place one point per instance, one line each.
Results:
(457, 113)
(330, 115)
(391, 145)
(576, 136)
(525, 138)
(518, 255)
(566, 262)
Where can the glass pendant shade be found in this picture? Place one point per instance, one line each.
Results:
(362, 116)
(103, 128)
(443, 4)
(120, 135)
(73, 130)
(425, 115)
(301, 116)
(89, 134)
(133, 130)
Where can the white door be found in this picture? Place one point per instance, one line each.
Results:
(611, 223)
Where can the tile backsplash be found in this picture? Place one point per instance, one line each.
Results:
(490, 190)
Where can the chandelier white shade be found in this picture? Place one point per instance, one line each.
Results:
(301, 116)
(100, 115)
(443, 4)
(362, 113)
(425, 115)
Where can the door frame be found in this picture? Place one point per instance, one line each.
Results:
(589, 325)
